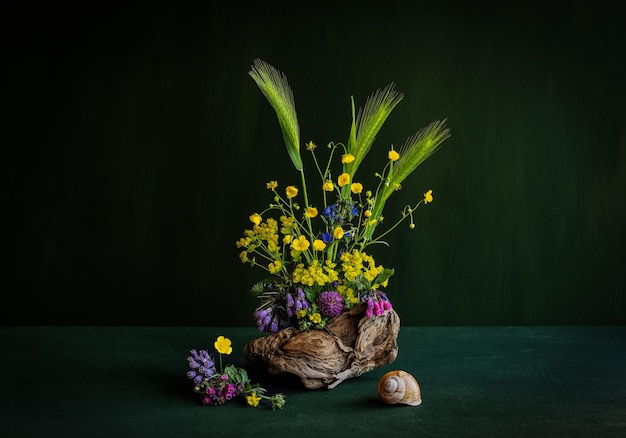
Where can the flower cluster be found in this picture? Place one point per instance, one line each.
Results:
(314, 250)
(218, 387)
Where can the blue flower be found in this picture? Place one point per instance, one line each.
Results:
(327, 238)
(330, 212)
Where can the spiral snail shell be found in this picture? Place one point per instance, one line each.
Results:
(399, 387)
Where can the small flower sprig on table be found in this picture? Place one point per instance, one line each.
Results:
(229, 383)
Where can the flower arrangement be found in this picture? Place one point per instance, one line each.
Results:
(316, 250)
(230, 382)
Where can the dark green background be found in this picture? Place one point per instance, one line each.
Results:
(136, 146)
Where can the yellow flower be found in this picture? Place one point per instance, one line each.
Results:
(300, 244)
(393, 155)
(338, 233)
(328, 186)
(271, 185)
(310, 212)
(255, 218)
(275, 267)
(222, 345)
(343, 179)
(287, 239)
(316, 318)
(318, 245)
(428, 197)
(253, 399)
(367, 213)
(291, 191)
(301, 313)
(356, 188)
(310, 146)
(347, 158)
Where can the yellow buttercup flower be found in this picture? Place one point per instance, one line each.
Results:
(301, 313)
(310, 212)
(271, 185)
(343, 179)
(338, 233)
(291, 192)
(287, 239)
(393, 155)
(222, 345)
(300, 244)
(328, 186)
(347, 158)
(319, 245)
(356, 188)
(253, 399)
(255, 218)
(367, 213)
(428, 197)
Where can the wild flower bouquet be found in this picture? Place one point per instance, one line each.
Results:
(315, 249)
(218, 386)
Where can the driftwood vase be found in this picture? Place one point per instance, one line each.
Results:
(350, 345)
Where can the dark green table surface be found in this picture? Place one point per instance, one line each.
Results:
(475, 381)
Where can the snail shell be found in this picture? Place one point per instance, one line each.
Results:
(399, 387)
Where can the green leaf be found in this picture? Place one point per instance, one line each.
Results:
(310, 294)
(274, 86)
(236, 374)
(383, 276)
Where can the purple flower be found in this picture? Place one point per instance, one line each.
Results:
(290, 304)
(201, 364)
(370, 308)
(377, 304)
(330, 303)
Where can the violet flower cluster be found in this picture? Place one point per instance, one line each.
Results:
(219, 390)
(202, 366)
(377, 304)
(297, 304)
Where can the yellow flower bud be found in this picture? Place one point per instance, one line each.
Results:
(347, 158)
(310, 212)
(328, 186)
(291, 192)
(338, 233)
(393, 155)
(255, 218)
(428, 197)
(271, 185)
